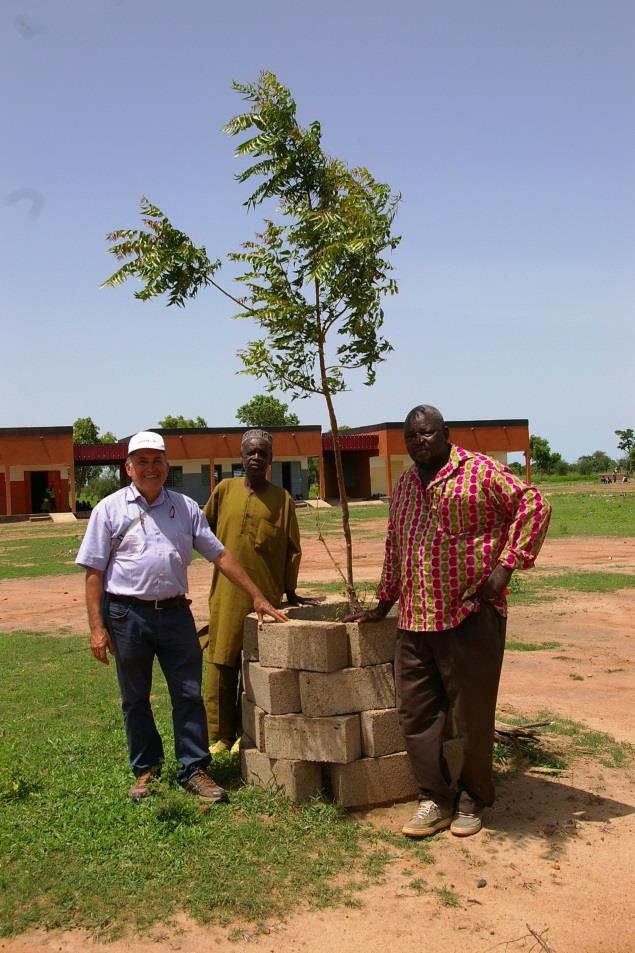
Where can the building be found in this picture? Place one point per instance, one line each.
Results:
(36, 469)
(37, 463)
(374, 457)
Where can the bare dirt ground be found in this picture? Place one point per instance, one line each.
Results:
(555, 853)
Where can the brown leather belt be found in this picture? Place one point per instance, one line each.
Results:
(176, 602)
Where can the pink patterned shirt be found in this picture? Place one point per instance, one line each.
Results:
(445, 540)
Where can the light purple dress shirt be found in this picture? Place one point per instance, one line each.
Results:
(150, 560)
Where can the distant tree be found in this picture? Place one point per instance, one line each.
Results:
(86, 431)
(541, 455)
(597, 462)
(264, 410)
(171, 422)
(626, 440)
(104, 482)
(544, 458)
(627, 443)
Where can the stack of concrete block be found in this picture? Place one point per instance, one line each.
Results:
(318, 709)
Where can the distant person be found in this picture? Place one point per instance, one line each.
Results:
(257, 521)
(136, 551)
(460, 523)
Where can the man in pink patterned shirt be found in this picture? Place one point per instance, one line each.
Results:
(460, 523)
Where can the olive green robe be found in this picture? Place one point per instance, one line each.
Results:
(261, 530)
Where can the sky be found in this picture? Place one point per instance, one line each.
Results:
(507, 127)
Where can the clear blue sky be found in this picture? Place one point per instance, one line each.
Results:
(507, 127)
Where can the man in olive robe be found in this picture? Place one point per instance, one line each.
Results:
(256, 521)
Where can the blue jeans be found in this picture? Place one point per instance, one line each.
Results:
(140, 633)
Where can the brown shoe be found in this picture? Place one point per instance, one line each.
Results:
(141, 788)
(204, 787)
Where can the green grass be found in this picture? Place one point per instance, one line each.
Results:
(528, 588)
(592, 514)
(512, 646)
(330, 520)
(587, 581)
(447, 897)
(74, 852)
(561, 743)
(39, 555)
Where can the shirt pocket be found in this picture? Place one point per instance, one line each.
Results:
(132, 544)
(461, 515)
(266, 538)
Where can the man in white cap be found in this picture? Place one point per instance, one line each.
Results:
(136, 550)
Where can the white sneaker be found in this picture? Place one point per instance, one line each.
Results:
(429, 818)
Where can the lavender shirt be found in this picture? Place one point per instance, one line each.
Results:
(152, 558)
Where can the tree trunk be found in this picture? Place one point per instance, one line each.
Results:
(339, 469)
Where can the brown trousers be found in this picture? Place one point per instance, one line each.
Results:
(454, 675)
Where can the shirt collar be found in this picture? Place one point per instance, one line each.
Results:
(457, 456)
(134, 496)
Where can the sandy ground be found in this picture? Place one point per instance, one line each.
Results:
(555, 853)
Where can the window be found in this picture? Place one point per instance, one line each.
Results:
(205, 474)
(218, 473)
(238, 470)
(175, 478)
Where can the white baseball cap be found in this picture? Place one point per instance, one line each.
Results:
(146, 440)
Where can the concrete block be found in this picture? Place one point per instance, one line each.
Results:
(313, 646)
(299, 780)
(250, 638)
(372, 781)
(381, 732)
(335, 739)
(276, 690)
(371, 643)
(253, 722)
(349, 690)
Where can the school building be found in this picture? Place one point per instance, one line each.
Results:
(37, 463)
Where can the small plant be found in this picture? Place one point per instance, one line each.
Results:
(447, 897)
(418, 886)
(512, 646)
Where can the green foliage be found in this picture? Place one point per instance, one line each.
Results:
(172, 422)
(597, 462)
(543, 458)
(165, 259)
(323, 269)
(626, 440)
(264, 410)
(85, 431)
(91, 481)
(101, 484)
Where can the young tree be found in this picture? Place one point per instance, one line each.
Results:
(263, 410)
(313, 278)
(170, 422)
